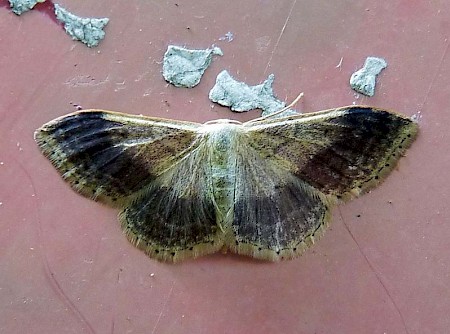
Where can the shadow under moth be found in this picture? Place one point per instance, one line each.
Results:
(263, 188)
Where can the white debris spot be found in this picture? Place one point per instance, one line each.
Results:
(363, 80)
(21, 6)
(241, 97)
(417, 116)
(85, 80)
(339, 66)
(184, 68)
(227, 37)
(87, 30)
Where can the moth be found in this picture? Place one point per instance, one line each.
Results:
(263, 188)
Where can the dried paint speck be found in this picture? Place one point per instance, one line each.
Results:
(21, 6)
(363, 80)
(184, 68)
(84, 29)
(241, 97)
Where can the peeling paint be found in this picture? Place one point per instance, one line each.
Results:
(184, 68)
(363, 81)
(21, 6)
(241, 97)
(84, 29)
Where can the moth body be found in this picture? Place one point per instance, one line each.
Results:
(220, 140)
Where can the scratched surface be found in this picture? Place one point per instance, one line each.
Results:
(383, 266)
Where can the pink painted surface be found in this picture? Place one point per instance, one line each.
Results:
(383, 266)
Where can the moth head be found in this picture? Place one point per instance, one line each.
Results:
(223, 121)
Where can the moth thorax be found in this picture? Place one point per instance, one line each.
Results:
(222, 136)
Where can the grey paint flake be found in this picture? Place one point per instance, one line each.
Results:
(363, 80)
(242, 97)
(184, 68)
(21, 6)
(87, 30)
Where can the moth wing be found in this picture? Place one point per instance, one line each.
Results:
(276, 215)
(175, 217)
(340, 152)
(110, 156)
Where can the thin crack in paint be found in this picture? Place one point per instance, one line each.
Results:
(433, 80)
(375, 273)
(54, 284)
(279, 36)
(163, 308)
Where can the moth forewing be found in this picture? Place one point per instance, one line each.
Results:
(341, 152)
(109, 156)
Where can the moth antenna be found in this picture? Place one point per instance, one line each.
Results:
(279, 111)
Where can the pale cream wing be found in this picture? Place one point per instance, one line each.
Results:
(109, 156)
(175, 218)
(156, 170)
(276, 215)
(340, 152)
